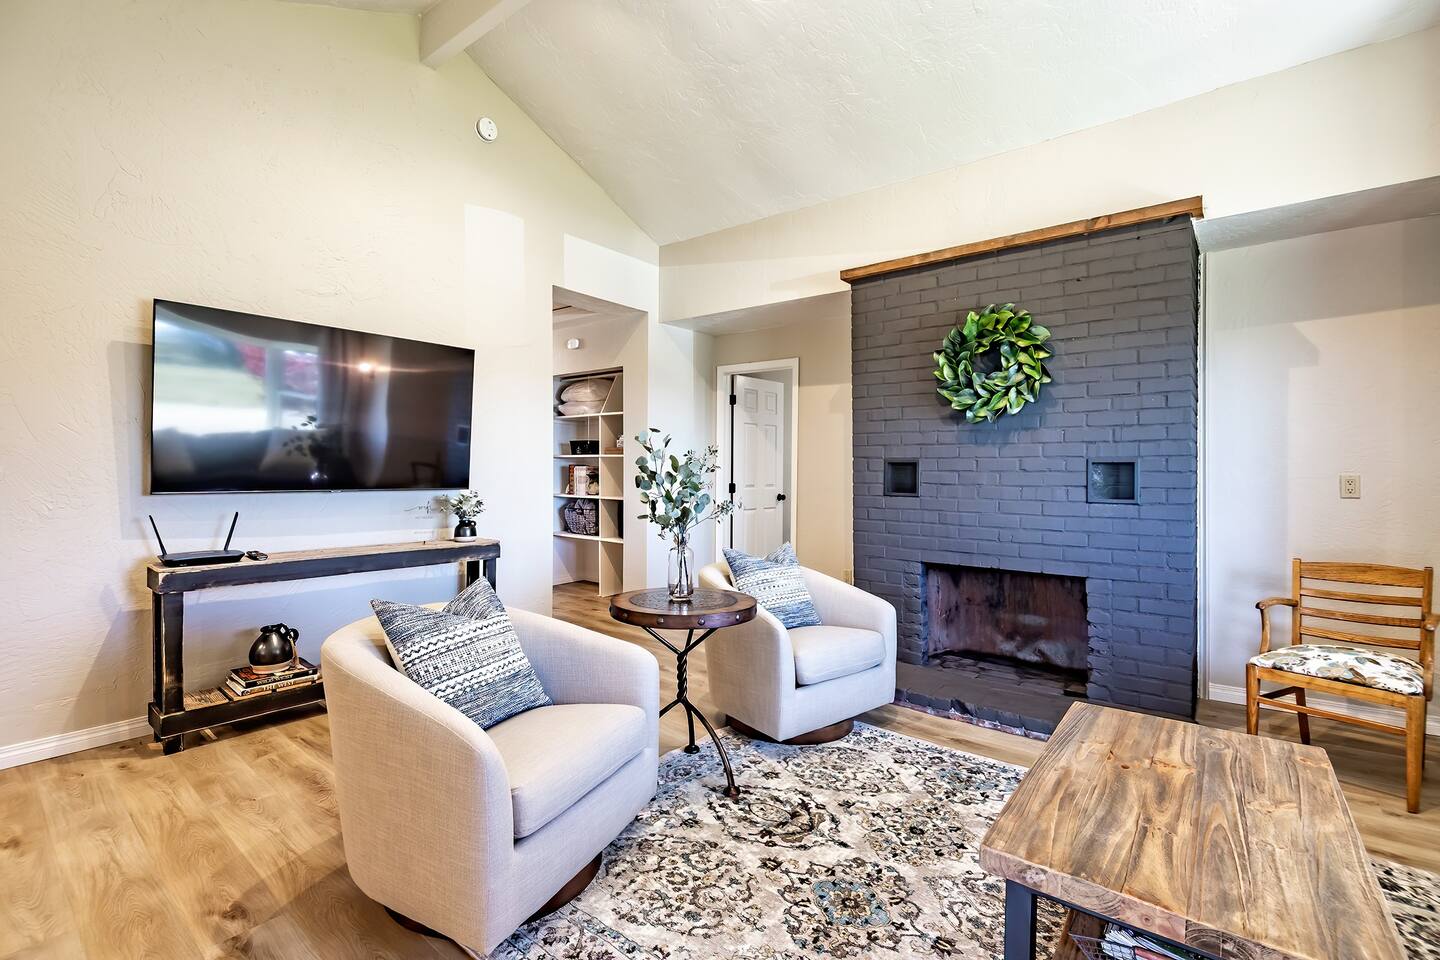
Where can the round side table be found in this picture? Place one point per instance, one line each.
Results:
(707, 611)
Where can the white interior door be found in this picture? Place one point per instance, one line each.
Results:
(758, 467)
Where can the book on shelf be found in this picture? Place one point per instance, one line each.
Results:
(236, 692)
(246, 677)
(579, 480)
(1122, 943)
(246, 693)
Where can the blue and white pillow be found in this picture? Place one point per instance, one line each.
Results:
(776, 584)
(475, 664)
(477, 601)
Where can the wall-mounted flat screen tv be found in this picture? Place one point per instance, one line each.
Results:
(248, 403)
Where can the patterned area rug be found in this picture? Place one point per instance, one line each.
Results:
(868, 847)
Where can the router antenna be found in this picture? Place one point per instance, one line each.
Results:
(232, 530)
(157, 534)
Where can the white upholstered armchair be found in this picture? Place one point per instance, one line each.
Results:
(470, 832)
(804, 684)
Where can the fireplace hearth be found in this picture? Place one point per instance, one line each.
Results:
(998, 692)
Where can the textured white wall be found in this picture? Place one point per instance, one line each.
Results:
(1366, 118)
(1321, 358)
(287, 159)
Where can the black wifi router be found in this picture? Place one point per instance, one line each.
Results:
(199, 558)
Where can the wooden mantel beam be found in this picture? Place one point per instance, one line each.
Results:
(450, 26)
(1193, 206)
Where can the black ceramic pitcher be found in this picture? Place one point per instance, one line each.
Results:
(274, 649)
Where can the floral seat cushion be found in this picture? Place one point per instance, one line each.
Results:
(1368, 668)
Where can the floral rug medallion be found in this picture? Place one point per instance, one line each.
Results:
(867, 847)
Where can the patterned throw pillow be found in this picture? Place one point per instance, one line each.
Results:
(776, 584)
(477, 601)
(474, 664)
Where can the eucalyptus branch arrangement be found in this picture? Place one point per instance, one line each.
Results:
(677, 492)
(465, 506)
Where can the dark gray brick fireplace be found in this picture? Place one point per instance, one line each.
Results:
(1122, 308)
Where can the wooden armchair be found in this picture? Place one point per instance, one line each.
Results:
(1339, 664)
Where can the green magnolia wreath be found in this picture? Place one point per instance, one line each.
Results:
(1014, 383)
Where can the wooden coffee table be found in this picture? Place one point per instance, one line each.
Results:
(707, 610)
(1231, 846)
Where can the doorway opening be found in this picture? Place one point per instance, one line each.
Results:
(757, 434)
(598, 353)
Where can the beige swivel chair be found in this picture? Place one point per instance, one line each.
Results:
(804, 684)
(471, 832)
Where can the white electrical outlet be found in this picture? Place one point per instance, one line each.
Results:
(1349, 486)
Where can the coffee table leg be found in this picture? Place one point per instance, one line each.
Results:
(1019, 921)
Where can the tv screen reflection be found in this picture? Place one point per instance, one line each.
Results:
(249, 403)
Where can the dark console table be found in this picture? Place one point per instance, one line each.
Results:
(168, 715)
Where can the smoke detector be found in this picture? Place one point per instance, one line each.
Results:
(487, 130)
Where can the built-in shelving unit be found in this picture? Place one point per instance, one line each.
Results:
(600, 557)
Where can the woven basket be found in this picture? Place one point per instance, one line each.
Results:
(582, 516)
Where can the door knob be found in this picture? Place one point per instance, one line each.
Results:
(779, 496)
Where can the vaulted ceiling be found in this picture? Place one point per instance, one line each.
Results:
(696, 115)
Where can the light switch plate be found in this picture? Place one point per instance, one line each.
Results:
(1349, 486)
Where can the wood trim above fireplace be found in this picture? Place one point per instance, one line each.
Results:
(1191, 206)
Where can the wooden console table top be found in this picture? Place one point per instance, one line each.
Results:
(1238, 846)
(328, 561)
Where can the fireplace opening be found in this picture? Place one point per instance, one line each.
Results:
(1006, 648)
(1034, 618)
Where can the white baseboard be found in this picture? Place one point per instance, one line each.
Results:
(62, 743)
(1227, 694)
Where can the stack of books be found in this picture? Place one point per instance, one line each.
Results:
(245, 682)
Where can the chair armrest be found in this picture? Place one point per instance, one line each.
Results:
(755, 657)
(1264, 605)
(576, 665)
(843, 605)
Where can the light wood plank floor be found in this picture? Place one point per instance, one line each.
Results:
(232, 848)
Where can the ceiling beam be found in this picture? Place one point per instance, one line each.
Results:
(1191, 207)
(450, 26)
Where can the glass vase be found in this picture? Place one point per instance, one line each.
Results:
(681, 578)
